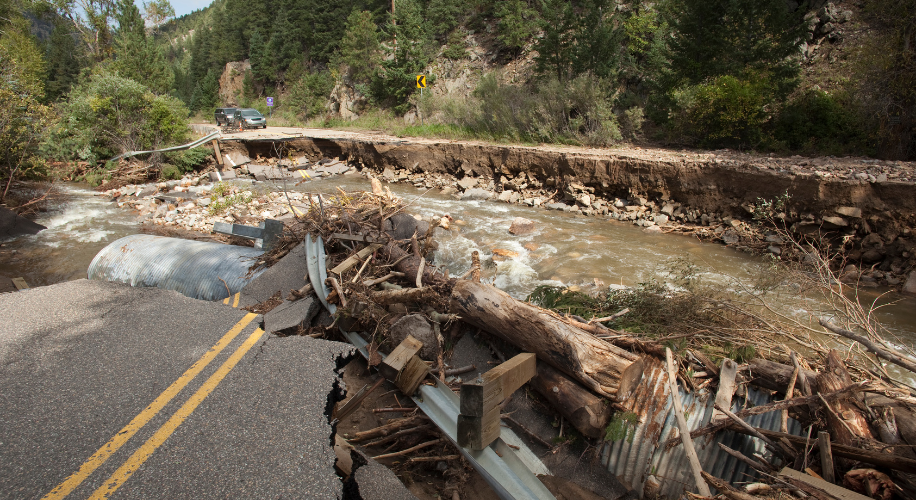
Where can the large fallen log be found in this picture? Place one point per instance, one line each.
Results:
(776, 376)
(585, 411)
(604, 368)
(410, 265)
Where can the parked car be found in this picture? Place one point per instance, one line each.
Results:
(223, 115)
(249, 118)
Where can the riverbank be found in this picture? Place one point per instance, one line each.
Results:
(862, 209)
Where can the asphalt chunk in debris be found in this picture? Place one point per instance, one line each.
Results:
(289, 273)
(371, 480)
(289, 315)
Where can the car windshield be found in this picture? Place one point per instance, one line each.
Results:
(229, 111)
(251, 114)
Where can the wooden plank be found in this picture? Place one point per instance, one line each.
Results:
(727, 376)
(219, 156)
(823, 443)
(678, 409)
(831, 489)
(20, 284)
(399, 358)
(477, 433)
(355, 259)
(480, 396)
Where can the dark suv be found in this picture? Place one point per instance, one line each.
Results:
(223, 115)
(248, 118)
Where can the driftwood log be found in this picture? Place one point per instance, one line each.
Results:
(845, 422)
(604, 368)
(409, 264)
(777, 376)
(588, 413)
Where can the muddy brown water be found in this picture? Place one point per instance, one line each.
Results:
(564, 249)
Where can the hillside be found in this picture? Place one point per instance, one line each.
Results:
(814, 78)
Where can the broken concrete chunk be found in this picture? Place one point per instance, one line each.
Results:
(289, 273)
(421, 329)
(236, 159)
(291, 314)
(222, 176)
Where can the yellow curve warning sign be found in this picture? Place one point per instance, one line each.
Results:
(421, 81)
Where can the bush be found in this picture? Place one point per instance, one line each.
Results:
(578, 111)
(167, 172)
(186, 161)
(108, 114)
(725, 111)
(816, 122)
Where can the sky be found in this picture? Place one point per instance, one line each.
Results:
(182, 7)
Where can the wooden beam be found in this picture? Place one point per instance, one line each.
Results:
(355, 259)
(491, 388)
(20, 284)
(823, 443)
(477, 433)
(678, 409)
(219, 156)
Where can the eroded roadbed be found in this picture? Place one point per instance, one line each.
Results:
(144, 393)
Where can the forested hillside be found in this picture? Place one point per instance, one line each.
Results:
(790, 77)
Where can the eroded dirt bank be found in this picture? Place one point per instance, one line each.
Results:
(865, 207)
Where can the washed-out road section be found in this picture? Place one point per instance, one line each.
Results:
(144, 393)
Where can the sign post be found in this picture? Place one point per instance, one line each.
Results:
(421, 84)
(270, 104)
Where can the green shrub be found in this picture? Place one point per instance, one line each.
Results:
(106, 115)
(725, 111)
(167, 172)
(817, 122)
(309, 95)
(188, 160)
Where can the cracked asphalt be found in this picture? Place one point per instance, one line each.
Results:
(82, 362)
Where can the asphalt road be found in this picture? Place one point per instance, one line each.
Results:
(144, 393)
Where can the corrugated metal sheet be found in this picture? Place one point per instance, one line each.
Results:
(192, 268)
(640, 453)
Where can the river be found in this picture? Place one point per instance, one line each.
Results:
(564, 249)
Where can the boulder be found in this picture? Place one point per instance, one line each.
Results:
(660, 219)
(467, 183)
(730, 237)
(849, 211)
(421, 329)
(476, 194)
(653, 229)
(521, 226)
(585, 200)
(13, 224)
(556, 206)
(910, 285)
(505, 196)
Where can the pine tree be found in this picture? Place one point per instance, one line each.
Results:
(136, 56)
(359, 49)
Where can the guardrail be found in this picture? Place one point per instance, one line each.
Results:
(190, 145)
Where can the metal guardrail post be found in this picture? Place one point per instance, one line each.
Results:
(265, 235)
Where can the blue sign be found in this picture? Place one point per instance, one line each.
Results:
(270, 101)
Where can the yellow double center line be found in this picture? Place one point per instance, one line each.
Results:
(147, 449)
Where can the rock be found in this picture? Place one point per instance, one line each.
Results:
(585, 200)
(447, 190)
(730, 237)
(873, 255)
(521, 226)
(505, 196)
(476, 194)
(835, 222)
(774, 238)
(660, 219)
(668, 209)
(653, 230)
(556, 206)
(504, 254)
(12, 224)
(862, 176)
(620, 203)
(421, 329)
(372, 481)
(775, 250)
(402, 226)
(910, 285)
(853, 212)
(880, 178)
(467, 182)
(389, 175)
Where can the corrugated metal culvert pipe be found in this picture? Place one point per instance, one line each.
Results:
(196, 269)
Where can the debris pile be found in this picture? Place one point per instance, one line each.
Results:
(856, 416)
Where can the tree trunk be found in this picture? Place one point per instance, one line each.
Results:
(605, 369)
(410, 265)
(846, 424)
(585, 411)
